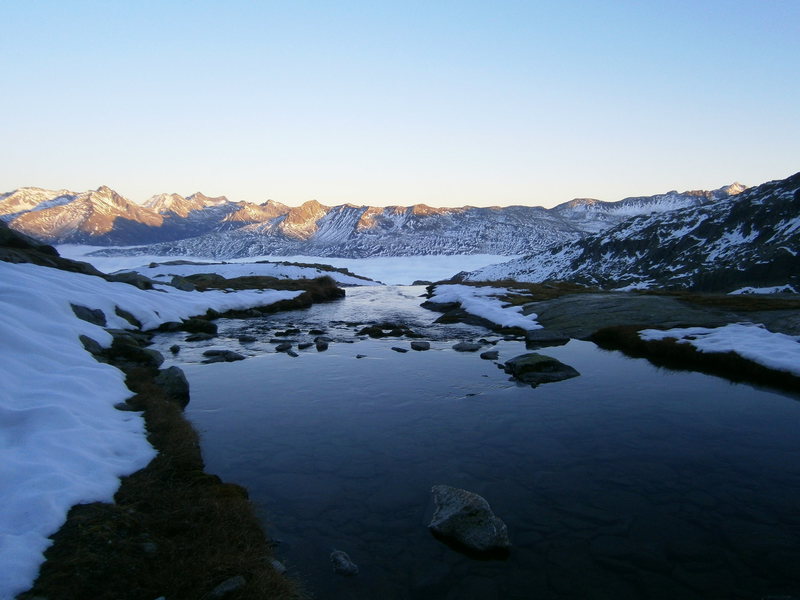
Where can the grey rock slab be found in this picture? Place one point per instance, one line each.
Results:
(580, 315)
(467, 518)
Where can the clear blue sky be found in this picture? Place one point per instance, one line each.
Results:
(446, 103)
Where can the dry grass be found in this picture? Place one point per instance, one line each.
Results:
(738, 303)
(173, 531)
(685, 357)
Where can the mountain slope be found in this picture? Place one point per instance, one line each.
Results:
(751, 239)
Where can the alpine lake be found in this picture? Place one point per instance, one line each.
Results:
(628, 481)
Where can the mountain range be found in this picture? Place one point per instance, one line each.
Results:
(170, 224)
(751, 239)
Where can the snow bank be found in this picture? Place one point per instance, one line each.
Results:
(229, 270)
(777, 289)
(483, 302)
(773, 350)
(62, 442)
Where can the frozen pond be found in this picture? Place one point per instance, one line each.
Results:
(625, 482)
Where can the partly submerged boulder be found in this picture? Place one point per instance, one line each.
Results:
(536, 368)
(343, 564)
(467, 519)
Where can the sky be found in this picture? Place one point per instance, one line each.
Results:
(444, 103)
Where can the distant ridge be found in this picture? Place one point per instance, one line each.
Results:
(172, 224)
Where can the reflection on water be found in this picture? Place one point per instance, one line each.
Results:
(625, 482)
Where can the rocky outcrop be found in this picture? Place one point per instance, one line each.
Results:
(537, 368)
(467, 519)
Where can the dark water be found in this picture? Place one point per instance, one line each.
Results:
(625, 482)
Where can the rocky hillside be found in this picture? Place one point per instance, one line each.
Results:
(216, 227)
(750, 239)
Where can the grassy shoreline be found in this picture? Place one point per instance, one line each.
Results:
(173, 531)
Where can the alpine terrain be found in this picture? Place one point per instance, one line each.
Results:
(199, 225)
(748, 239)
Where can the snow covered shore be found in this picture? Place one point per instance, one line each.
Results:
(484, 302)
(62, 442)
(772, 350)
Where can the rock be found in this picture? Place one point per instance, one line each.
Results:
(361, 356)
(490, 355)
(321, 346)
(174, 384)
(293, 354)
(234, 584)
(287, 333)
(467, 347)
(537, 368)
(132, 278)
(372, 331)
(420, 346)
(215, 355)
(92, 315)
(174, 348)
(278, 566)
(323, 338)
(182, 283)
(539, 338)
(91, 345)
(246, 339)
(342, 565)
(316, 332)
(199, 337)
(128, 317)
(283, 347)
(195, 325)
(400, 350)
(304, 345)
(467, 519)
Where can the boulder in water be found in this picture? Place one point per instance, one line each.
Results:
(536, 368)
(467, 519)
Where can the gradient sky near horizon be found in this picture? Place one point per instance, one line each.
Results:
(441, 102)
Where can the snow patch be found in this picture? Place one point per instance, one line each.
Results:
(777, 289)
(773, 350)
(62, 442)
(484, 302)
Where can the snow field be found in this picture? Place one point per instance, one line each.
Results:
(773, 350)
(62, 442)
(483, 302)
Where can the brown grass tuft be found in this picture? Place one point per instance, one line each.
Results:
(173, 531)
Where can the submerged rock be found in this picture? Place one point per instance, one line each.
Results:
(420, 346)
(539, 338)
(490, 355)
(536, 368)
(199, 337)
(467, 347)
(342, 564)
(283, 347)
(467, 519)
(222, 356)
(400, 350)
(247, 339)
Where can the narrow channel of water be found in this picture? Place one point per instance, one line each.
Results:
(626, 482)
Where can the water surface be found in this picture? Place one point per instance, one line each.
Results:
(626, 482)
